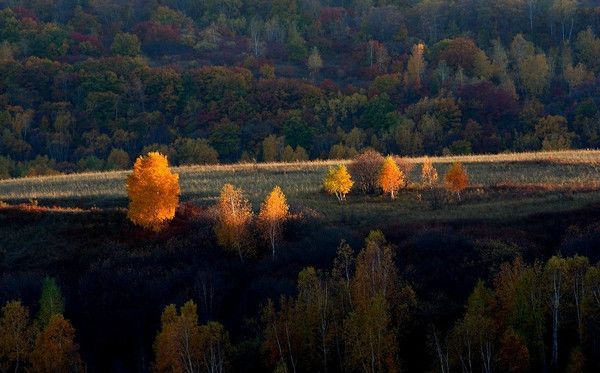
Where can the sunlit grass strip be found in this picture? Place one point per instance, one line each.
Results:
(575, 170)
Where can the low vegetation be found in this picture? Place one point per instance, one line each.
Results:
(458, 268)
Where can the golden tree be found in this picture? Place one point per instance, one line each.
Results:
(415, 67)
(391, 179)
(456, 179)
(16, 336)
(184, 346)
(153, 192)
(338, 181)
(235, 214)
(55, 349)
(273, 212)
(429, 175)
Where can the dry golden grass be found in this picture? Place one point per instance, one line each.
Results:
(502, 184)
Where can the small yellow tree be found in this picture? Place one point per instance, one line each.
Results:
(391, 179)
(429, 175)
(456, 179)
(235, 213)
(153, 192)
(273, 212)
(338, 181)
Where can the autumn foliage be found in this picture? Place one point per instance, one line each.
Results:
(153, 192)
(182, 345)
(391, 179)
(338, 181)
(273, 212)
(16, 336)
(456, 179)
(235, 214)
(429, 175)
(55, 349)
(365, 169)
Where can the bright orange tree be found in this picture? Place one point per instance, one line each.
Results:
(338, 181)
(235, 214)
(273, 212)
(153, 192)
(456, 179)
(391, 179)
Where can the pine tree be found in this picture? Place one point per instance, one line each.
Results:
(51, 301)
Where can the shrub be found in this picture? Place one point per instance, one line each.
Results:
(365, 169)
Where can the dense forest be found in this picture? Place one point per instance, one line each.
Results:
(91, 84)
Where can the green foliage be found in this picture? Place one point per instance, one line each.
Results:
(225, 138)
(195, 151)
(51, 301)
(297, 132)
(126, 44)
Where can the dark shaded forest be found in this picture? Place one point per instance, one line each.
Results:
(418, 285)
(89, 85)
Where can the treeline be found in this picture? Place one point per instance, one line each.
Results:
(357, 315)
(89, 86)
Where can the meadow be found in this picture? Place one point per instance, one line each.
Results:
(501, 186)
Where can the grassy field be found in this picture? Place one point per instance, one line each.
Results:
(503, 185)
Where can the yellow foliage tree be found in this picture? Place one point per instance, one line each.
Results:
(235, 213)
(184, 346)
(429, 175)
(16, 335)
(273, 212)
(338, 181)
(153, 192)
(456, 179)
(55, 349)
(415, 67)
(391, 179)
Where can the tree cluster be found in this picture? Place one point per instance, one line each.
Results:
(43, 345)
(538, 316)
(374, 173)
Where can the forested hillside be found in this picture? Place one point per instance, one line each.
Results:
(91, 84)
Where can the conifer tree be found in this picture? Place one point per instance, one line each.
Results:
(51, 301)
